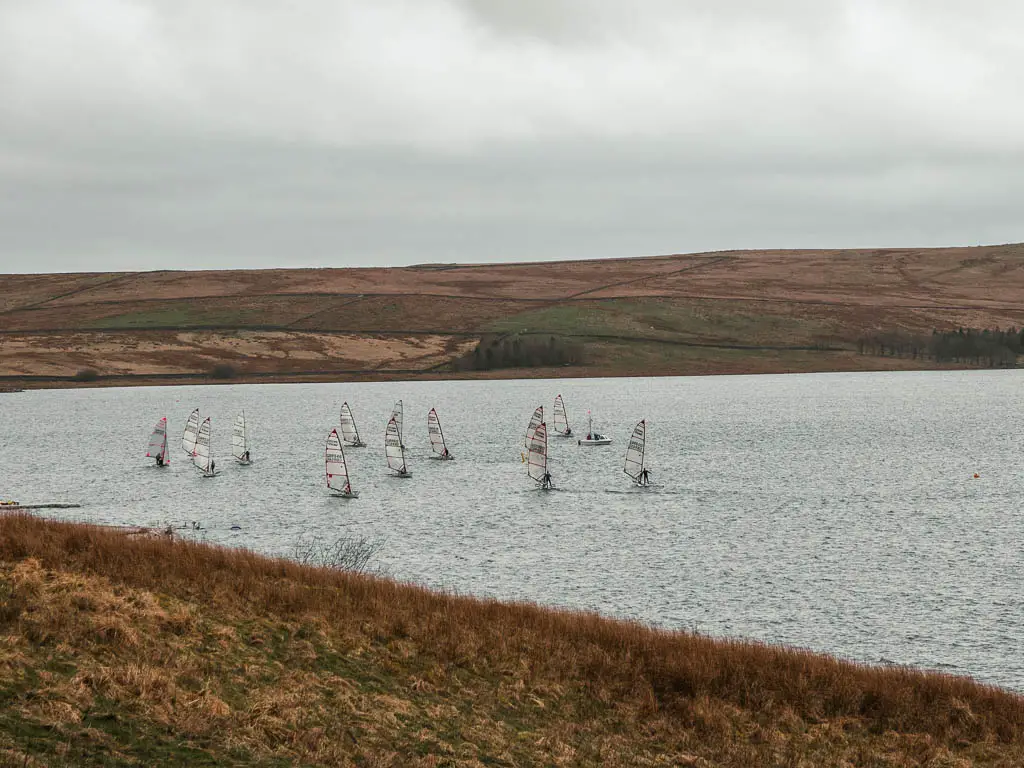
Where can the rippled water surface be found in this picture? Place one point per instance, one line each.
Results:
(833, 511)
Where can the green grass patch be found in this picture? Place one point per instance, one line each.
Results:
(708, 321)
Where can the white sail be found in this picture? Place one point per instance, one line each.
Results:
(535, 420)
(437, 443)
(561, 422)
(157, 448)
(239, 439)
(188, 438)
(202, 456)
(337, 469)
(635, 451)
(537, 464)
(349, 433)
(394, 449)
(396, 414)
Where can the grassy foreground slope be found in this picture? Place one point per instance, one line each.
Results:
(727, 312)
(116, 651)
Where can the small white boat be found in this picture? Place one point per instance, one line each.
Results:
(535, 421)
(634, 466)
(437, 443)
(240, 440)
(593, 438)
(157, 448)
(537, 463)
(562, 428)
(395, 451)
(188, 437)
(349, 433)
(337, 470)
(202, 457)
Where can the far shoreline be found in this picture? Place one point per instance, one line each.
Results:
(15, 383)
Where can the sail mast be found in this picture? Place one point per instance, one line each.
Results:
(239, 438)
(561, 419)
(335, 465)
(188, 437)
(203, 453)
(396, 414)
(436, 435)
(537, 465)
(157, 448)
(634, 465)
(393, 448)
(349, 432)
(535, 421)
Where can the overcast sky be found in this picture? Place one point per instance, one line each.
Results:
(145, 134)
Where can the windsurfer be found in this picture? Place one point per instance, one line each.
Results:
(645, 478)
(159, 459)
(545, 481)
(213, 466)
(245, 457)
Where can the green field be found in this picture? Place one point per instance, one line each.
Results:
(684, 320)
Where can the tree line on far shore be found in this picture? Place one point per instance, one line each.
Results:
(517, 351)
(986, 347)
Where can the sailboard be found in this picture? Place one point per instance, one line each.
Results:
(537, 463)
(188, 437)
(437, 443)
(157, 448)
(396, 414)
(240, 440)
(562, 427)
(202, 457)
(394, 450)
(634, 466)
(337, 470)
(349, 433)
(535, 421)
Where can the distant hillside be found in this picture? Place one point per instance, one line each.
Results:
(118, 652)
(740, 311)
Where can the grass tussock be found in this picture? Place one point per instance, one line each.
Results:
(119, 651)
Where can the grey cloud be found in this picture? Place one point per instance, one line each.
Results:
(143, 134)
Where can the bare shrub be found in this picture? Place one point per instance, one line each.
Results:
(86, 374)
(348, 553)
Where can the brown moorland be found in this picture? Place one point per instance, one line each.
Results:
(120, 651)
(726, 312)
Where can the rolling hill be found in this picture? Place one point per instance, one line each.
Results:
(724, 312)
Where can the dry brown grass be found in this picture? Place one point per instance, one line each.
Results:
(156, 650)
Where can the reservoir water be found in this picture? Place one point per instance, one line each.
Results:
(837, 512)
